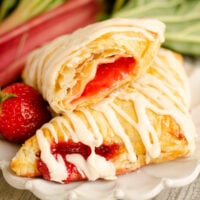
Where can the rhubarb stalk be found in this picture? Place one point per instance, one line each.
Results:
(16, 44)
(26, 10)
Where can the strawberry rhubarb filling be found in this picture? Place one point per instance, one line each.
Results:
(64, 149)
(83, 161)
(108, 75)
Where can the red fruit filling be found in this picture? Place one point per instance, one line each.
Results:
(65, 148)
(108, 74)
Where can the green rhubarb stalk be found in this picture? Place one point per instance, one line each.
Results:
(182, 19)
(26, 10)
(4, 96)
(6, 7)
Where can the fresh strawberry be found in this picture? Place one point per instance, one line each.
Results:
(22, 112)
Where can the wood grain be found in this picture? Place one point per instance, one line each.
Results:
(189, 192)
(9, 193)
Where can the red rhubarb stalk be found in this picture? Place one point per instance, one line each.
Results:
(16, 44)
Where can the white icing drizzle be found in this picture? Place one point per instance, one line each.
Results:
(82, 132)
(94, 167)
(52, 130)
(95, 128)
(63, 56)
(56, 167)
(116, 126)
(148, 92)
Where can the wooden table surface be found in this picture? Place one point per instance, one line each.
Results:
(189, 192)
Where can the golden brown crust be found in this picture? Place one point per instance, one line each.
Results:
(173, 145)
(25, 161)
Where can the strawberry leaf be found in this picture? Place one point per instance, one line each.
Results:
(4, 96)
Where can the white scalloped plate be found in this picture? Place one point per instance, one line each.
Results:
(143, 184)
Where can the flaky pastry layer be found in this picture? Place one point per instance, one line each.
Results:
(61, 69)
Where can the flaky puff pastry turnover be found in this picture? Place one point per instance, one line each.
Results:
(146, 121)
(82, 68)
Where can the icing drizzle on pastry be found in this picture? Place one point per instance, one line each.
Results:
(68, 63)
(165, 93)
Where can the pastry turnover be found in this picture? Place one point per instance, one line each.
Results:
(82, 68)
(144, 122)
